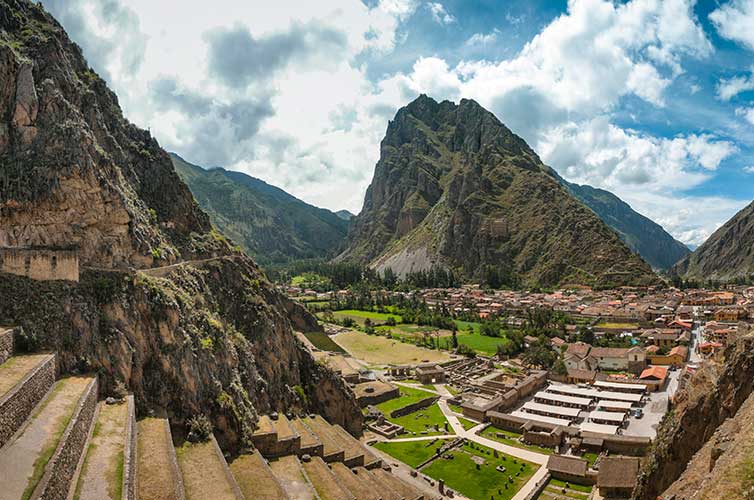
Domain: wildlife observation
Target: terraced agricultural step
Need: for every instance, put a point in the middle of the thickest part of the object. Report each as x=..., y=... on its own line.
x=324, y=481
x=158, y=476
x=353, y=451
x=332, y=451
x=408, y=491
x=387, y=492
x=309, y=444
x=205, y=472
x=255, y=478
x=24, y=382
x=40, y=461
x=360, y=488
x=291, y=476
x=107, y=470
x=370, y=461
x=6, y=344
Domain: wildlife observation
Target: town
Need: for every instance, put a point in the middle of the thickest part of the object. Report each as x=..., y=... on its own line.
x=458, y=411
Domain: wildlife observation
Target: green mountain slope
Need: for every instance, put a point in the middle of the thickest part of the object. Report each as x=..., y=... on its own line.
x=270, y=224
x=641, y=234
x=726, y=255
x=455, y=188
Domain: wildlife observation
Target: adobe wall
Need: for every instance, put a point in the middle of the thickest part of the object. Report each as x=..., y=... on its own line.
x=17, y=405
x=40, y=264
x=6, y=344
x=62, y=466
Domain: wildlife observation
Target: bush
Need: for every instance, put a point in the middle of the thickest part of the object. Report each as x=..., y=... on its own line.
x=120, y=391
x=200, y=429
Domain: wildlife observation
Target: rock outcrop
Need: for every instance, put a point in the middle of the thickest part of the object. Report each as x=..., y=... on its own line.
x=701, y=428
x=165, y=304
x=455, y=188
x=726, y=255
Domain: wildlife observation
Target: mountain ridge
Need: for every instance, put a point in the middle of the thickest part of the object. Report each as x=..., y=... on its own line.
x=272, y=225
x=456, y=188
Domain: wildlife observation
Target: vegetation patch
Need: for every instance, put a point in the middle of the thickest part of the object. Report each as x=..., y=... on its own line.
x=323, y=342
x=427, y=421
x=475, y=472
x=512, y=439
x=411, y=453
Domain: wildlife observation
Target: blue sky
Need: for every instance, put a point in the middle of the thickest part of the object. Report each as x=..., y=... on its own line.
x=651, y=99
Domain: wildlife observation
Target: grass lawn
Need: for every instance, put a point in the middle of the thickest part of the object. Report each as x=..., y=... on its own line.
x=511, y=439
x=408, y=395
x=361, y=316
x=575, y=491
x=379, y=350
x=323, y=342
x=424, y=420
x=411, y=453
x=461, y=473
x=466, y=423
x=455, y=408
x=591, y=457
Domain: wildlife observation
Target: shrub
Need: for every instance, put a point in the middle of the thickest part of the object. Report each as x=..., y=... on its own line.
x=200, y=429
x=120, y=391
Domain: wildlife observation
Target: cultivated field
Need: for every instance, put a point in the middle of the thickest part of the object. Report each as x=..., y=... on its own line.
x=378, y=350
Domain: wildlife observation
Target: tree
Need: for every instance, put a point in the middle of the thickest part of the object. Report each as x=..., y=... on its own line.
x=454, y=340
x=560, y=367
x=539, y=354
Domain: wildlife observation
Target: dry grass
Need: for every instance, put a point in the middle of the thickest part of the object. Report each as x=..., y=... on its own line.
x=255, y=479
x=13, y=370
x=378, y=350
x=155, y=481
x=203, y=472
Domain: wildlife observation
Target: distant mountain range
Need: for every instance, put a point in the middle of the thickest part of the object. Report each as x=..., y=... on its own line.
x=273, y=226
x=727, y=254
x=455, y=188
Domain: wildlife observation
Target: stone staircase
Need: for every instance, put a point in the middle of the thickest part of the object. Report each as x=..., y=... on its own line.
x=58, y=442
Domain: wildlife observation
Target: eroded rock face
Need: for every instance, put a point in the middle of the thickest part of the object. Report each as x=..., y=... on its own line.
x=698, y=422
x=210, y=337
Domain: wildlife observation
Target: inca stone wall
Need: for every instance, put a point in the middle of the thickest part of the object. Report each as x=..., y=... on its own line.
x=62, y=466
x=17, y=405
x=6, y=344
x=40, y=264
x=129, y=453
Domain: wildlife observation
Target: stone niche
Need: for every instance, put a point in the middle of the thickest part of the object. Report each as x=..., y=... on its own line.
x=42, y=264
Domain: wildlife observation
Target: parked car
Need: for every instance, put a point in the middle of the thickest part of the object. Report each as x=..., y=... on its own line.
x=638, y=413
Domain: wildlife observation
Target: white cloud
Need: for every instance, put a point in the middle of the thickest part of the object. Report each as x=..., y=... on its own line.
x=439, y=14
x=731, y=87
x=483, y=39
x=746, y=113
x=734, y=21
x=749, y=169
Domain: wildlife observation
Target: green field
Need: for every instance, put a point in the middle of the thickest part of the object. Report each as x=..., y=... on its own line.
x=425, y=420
x=611, y=325
x=408, y=396
x=511, y=439
x=466, y=423
x=323, y=342
x=575, y=491
x=411, y=453
x=487, y=482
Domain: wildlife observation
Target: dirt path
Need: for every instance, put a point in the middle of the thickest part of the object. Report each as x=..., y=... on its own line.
x=13, y=370
x=155, y=463
x=22, y=461
x=101, y=477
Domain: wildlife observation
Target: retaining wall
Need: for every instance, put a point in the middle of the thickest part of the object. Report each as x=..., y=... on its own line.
x=18, y=403
x=270, y=446
x=6, y=344
x=419, y=405
x=129, y=453
x=61, y=468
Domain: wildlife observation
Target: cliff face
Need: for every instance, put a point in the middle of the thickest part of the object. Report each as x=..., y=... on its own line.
x=727, y=254
x=455, y=188
x=705, y=434
x=211, y=336
x=270, y=224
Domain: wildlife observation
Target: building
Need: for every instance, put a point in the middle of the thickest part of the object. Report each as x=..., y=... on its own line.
x=617, y=476
x=731, y=314
x=654, y=373
x=41, y=263
x=430, y=374
x=676, y=357
x=619, y=358
x=569, y=469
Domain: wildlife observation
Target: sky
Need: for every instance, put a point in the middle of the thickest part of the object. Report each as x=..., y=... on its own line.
x=650, y=99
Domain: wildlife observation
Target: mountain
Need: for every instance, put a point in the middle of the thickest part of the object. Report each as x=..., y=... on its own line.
x=345, y=214
x=726, y=255
x=641, y=234
x=270, y=224
x=455, y=188
x=164, y=304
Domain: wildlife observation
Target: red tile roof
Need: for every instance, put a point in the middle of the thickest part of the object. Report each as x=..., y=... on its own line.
x=657, y=372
